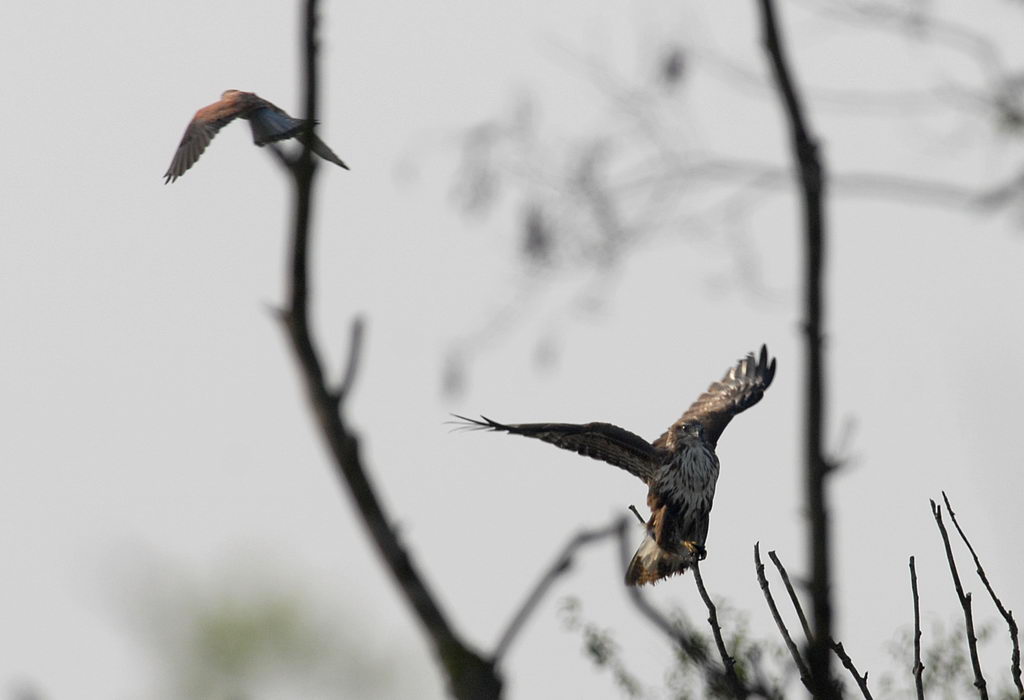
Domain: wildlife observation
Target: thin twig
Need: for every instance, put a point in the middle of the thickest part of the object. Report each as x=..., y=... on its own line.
x=682, y=638
x=468, y=674
x=729, y=663
x=862, y=681
x=792, y=594
x=1007, y=614
x=812, y=173
x=355, y=347
x=837, y=647
x=793, y=651
x=688, y=643
x=918, y=666
x=965, y=603
x=561, y=564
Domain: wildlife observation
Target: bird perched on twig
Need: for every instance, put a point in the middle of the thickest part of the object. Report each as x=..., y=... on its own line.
x=680, y=467
x=269, y=124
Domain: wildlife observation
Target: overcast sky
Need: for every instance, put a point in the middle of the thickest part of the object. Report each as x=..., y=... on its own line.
x=153, y=421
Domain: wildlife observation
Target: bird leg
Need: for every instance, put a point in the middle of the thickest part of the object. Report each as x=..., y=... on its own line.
x=697, y=550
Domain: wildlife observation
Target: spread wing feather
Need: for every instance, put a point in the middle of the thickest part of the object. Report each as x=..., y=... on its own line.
x=204, y=126
x=197, y=137
x=741, y=387
x=604, y=441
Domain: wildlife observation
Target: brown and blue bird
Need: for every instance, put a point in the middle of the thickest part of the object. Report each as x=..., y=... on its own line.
x=269, y=124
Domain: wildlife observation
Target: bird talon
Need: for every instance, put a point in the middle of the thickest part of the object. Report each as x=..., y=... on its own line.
x=697, y=550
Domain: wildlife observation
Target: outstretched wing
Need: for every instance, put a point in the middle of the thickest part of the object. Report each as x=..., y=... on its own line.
x=603, y=441
x=741, y=387
x=203, y=127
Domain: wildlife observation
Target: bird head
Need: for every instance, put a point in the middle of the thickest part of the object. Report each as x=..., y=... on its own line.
x=690, y=431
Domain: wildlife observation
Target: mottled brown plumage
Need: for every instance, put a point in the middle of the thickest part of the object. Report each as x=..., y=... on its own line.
x=680, y=467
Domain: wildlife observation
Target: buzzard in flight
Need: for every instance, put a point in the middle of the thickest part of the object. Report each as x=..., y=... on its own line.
x=269, y=124
x=680, y=467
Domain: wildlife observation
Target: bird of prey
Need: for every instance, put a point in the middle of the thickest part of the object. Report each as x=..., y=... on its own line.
x=269, y=124
x=680, y=467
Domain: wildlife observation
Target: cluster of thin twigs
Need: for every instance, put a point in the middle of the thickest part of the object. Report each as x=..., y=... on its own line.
x=918, y=668
x=966, y=605
x=723, y=677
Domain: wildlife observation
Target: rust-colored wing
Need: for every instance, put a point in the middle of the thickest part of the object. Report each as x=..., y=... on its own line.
x=603, y=441
x=205, y=125
x=741, y=387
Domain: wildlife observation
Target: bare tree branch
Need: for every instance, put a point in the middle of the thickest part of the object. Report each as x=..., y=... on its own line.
x=792, y=594
x=965, y=603
x=793, y=651
x=837, y=647
x=1007, y=614
x=686, y=642
x=812, y=187
x=862, y=681
x=918, y=666
x=469, y=675
x=729, y=663
x=355, y=348
x=563, y=562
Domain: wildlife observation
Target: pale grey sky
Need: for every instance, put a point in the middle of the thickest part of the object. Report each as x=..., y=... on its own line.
x=152, y=412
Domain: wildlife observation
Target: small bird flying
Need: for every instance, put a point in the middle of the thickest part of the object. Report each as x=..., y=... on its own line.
x=269, y=124
x=680, y=468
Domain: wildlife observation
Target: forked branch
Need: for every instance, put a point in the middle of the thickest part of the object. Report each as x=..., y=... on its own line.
x=1007, y=614
x=965, y=603
x=728, y=663
x=562, y=564
x=837, y=647
x=469, y=675
x=805, y=676
x=812, y=181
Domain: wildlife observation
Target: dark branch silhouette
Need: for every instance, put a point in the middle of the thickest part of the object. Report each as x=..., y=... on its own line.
x=729, y=663
x=965, y=603
x=812, y=188
x=792, y=594
x=469, y=675
x=861, y=681
x=1007, y=614
x=805, y=677
x=561, y=565
x=918, y=668
x=837, y=647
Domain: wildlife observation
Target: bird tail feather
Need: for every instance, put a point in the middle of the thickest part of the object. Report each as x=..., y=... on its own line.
x=651, y=563
x=320, y=148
